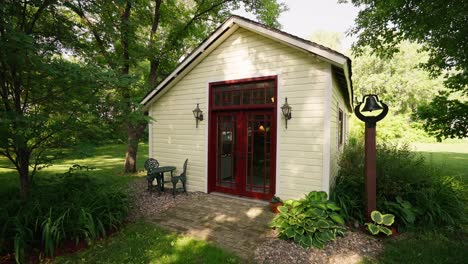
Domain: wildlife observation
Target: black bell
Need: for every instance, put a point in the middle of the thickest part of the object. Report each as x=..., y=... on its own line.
x=371, y=104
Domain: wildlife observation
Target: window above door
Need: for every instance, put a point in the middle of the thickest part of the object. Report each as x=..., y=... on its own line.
x=255, y=92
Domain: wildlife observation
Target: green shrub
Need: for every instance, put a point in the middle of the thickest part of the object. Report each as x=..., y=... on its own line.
x=407, y=187
x=71, y=207
x=312, y=221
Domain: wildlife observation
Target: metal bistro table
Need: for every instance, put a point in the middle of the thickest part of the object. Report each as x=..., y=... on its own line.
x=159, y=172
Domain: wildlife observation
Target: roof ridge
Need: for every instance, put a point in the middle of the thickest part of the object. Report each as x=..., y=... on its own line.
x=288, y=34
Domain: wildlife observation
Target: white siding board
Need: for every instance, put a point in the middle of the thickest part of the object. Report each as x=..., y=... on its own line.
x=245, y=54
x=337, y=102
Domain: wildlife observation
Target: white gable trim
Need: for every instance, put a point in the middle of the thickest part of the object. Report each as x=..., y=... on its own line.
x=326, y=133
x=224, y=31
x=327, y=55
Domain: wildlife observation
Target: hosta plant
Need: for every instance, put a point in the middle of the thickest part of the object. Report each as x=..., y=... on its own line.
x=381, y=221
x=312, y=221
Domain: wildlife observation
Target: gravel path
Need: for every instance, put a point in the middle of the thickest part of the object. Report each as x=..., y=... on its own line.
x=147, y=205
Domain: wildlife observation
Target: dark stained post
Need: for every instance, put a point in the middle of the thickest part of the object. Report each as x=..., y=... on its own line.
x=371, y=170
x=372, y=104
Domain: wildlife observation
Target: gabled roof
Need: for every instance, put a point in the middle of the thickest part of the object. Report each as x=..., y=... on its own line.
x=341, y=64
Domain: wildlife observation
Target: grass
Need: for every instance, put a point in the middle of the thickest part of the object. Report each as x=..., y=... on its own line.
x=146, y=243
x=434, y=246
x=425, y=247
x=136, y=243
x=107, y=160
x=450, y=158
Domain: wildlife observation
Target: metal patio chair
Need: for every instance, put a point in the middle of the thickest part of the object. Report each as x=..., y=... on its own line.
x=182, y=177
x=150, y=166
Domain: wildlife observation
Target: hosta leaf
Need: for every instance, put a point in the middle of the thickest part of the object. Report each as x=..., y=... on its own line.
x=322, y=206
x=283, y=209
x=388, y=219
x=310, y=229
x=297, y=238
x=322, y=195
x=288, y=202
x=340, y=232
x=322, y=224
x=324, y=236
x=332, y=206
x=385, y=230
x=317, y=212
x=305, y=241
x=377, y=217
x=296, y=204
x=316, y=243
x=313, y=197
x=290, y=232
x=337, y=218
x=373, y=229
x=308, y=241
x=299, y=231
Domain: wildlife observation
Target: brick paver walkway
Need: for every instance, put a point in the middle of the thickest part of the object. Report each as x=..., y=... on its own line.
x=236, y=225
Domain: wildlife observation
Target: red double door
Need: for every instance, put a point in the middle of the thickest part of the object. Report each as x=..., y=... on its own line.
x=242, y=157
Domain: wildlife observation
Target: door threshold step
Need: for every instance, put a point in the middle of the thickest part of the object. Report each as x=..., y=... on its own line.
x=262, y=202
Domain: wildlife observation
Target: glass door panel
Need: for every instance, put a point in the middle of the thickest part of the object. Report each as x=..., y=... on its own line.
x=226, y=150
x=244, y=153
x=259, y=148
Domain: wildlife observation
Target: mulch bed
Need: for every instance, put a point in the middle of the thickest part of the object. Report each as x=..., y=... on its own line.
x=352, y=248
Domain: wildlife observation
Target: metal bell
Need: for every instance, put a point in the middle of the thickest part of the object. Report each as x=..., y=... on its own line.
x=371, y=104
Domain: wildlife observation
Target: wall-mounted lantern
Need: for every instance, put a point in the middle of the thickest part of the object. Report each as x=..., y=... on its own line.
x=198, y=114
x=372, y=104
x=286, y=111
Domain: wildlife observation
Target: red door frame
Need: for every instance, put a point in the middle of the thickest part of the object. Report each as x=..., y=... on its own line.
x=212, y=134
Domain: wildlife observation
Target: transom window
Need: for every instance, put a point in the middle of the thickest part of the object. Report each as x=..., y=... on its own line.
x=259, y=92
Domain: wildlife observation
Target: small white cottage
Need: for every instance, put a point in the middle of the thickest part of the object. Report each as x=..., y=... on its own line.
x=272, y=119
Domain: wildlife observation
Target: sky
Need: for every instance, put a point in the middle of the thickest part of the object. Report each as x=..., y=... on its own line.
x=307, y=16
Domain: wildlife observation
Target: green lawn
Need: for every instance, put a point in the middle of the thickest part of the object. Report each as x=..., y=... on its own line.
x=146, y=243
x=107, y=160
x=451, y=158
x=434, y=246
x=425, y=247
x=135, y=243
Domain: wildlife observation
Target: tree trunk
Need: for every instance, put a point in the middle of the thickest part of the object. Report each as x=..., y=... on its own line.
x=23, y=170
x=134, y=135
x=131, y=156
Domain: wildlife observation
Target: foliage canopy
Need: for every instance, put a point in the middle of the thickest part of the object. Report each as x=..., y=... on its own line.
x=441, y=27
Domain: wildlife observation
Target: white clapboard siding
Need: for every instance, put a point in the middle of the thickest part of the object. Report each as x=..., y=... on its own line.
x=335, y=150
x=244, y=54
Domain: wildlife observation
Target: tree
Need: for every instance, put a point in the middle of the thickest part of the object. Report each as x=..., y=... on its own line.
x=401, y=84
x=42, y=93
x=441, y=27
x=142, y=41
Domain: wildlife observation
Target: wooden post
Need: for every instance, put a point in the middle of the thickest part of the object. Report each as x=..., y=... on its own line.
x=371, y=169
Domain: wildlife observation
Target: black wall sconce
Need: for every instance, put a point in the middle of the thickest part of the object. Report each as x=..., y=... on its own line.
x=198, y=114
x=286, y=111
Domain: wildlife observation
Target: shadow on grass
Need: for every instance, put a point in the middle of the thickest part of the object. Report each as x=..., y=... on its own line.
x=428, y=247
x=107, y=160
x=146, y=243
